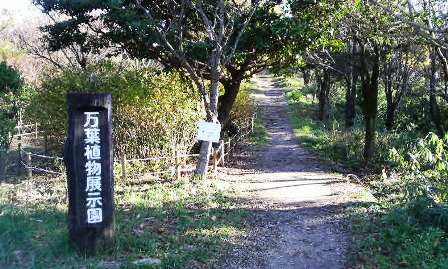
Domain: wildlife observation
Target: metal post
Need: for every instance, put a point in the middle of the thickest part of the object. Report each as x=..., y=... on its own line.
x=35, y=129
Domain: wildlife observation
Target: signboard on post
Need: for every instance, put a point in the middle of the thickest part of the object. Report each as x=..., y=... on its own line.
x=209, y=131
x=88, y=157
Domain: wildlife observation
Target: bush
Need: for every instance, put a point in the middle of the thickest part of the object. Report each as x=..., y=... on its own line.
x=243, y=109
x=410, y=230
x=152, y=111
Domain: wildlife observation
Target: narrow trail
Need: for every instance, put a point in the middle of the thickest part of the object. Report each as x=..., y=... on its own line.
x=298, y=206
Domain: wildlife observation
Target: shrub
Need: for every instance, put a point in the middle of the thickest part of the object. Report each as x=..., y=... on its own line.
x=243, y=109
x=152, y=111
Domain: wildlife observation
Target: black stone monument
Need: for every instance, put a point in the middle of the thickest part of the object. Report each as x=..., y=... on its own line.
x=88, y=158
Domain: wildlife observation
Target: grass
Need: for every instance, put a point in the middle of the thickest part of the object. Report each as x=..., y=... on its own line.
x=393, y=237
x=259, y=136
x=182, y=224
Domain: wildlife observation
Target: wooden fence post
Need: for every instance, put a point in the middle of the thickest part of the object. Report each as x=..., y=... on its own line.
x=36, y=130
x=123, y=167
x=177, y=163
x=215, y=161
x=19, y=158
x=222, y=146
x=29, y=171
x=46, y=143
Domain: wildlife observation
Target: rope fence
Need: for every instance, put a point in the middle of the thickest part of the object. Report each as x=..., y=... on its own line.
x=175, y=165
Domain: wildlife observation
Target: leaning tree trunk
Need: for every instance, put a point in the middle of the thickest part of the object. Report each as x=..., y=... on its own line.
x=227, y=100
x=324, y=100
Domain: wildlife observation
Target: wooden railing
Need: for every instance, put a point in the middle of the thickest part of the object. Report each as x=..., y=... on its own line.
x=177, y=166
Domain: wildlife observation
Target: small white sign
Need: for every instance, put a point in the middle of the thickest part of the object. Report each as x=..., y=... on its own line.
x=209, y=131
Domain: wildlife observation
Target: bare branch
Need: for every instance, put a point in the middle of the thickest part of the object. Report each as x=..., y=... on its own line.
x=179, y=56
x=240, y=33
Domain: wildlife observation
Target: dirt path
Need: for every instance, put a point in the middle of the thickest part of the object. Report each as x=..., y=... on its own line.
x=298, y=206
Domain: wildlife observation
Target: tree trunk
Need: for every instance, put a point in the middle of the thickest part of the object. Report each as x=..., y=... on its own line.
x=204, y=153
x=370, y=102
x=204, y=156
x=390, y=107
x=305, y=75
x=390, y=116
x=227, y=100
x=350, y=100
x=433, y=105
x=2, y=165
x=324, y=100
x=370, y=107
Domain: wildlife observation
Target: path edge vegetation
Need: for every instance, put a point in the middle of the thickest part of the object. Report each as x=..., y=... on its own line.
x=401, y=220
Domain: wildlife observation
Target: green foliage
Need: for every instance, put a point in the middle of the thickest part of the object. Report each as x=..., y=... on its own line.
x=10, y=90
x=259, y=136
x=424, y=169
x=152, y=111
x=243, y=109
x=185, y=225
